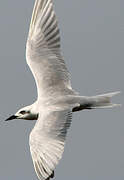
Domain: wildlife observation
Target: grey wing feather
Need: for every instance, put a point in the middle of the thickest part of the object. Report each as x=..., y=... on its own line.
x=47, y=141
x=43, y=51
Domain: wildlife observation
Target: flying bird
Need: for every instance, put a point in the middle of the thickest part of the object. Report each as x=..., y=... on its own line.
x=56, y=100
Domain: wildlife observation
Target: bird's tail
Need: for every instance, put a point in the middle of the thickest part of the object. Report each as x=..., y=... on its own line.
x=99, y=101
x=104, y=100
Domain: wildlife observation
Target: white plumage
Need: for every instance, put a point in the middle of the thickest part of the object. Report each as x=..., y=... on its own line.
x=52, y=79
x=56, y=99
x=43, y=51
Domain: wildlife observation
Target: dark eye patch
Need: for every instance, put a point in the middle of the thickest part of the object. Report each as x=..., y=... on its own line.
x=22, y=112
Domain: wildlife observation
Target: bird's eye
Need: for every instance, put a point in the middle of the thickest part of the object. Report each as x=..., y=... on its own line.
x=22, y=112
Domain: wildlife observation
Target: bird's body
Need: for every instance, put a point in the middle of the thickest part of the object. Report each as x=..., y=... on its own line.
x=56, y=99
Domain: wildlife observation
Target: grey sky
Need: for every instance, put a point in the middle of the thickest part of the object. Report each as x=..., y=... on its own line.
x=92, y=38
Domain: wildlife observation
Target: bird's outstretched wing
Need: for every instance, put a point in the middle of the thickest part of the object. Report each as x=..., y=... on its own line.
x=47, y=141
x=43, y=51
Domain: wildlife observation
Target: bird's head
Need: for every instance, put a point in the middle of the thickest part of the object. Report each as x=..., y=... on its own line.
x=26, y=113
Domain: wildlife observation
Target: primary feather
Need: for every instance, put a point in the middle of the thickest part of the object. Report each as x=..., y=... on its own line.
x=43, y=51
x=47, y=140
x=43, y=54
x=56, y=99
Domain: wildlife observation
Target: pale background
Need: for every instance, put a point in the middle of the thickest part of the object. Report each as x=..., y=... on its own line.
x=92, y=33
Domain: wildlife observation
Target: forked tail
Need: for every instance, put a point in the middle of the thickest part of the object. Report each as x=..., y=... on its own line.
x=104, y=101
x=99, y=101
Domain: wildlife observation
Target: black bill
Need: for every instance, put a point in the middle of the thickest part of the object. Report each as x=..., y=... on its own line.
x=11, y=118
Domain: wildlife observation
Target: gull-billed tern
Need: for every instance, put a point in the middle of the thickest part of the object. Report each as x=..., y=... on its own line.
x=56, y=99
